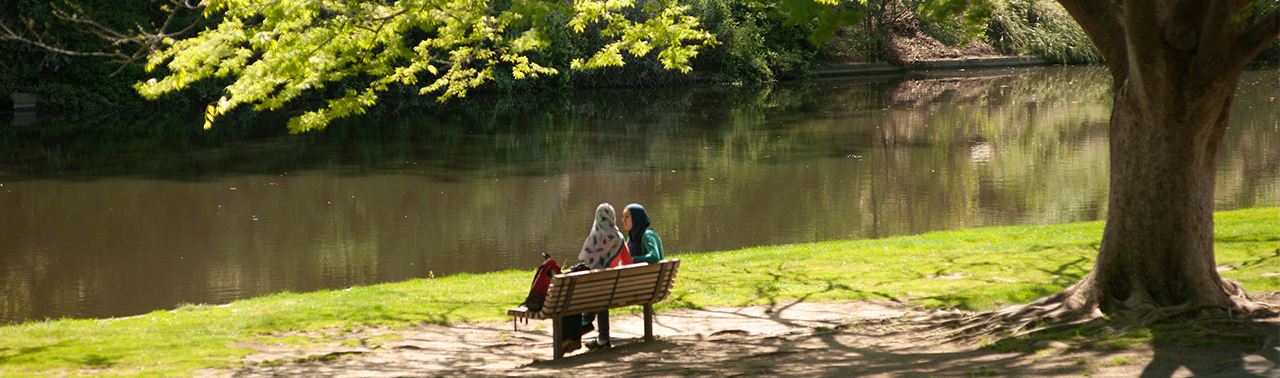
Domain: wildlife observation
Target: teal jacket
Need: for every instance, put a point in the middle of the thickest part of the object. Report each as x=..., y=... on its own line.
x=652, y=248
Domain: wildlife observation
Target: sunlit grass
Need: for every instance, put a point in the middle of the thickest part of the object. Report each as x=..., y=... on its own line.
x=1248, y=243
x=977, y=269
x=970, y=269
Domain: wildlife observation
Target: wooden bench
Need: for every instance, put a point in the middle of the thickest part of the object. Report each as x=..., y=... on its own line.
x=599, y=290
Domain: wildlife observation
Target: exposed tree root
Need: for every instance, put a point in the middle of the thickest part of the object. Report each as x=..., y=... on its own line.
x=1079, y=307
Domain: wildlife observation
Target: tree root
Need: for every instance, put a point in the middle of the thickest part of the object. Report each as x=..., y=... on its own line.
x=1078, y=307
x=1055, y=312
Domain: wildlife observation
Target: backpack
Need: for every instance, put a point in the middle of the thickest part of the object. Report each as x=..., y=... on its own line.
x=541, y=282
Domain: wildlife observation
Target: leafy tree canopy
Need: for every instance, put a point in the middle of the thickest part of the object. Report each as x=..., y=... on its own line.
x=278, y=49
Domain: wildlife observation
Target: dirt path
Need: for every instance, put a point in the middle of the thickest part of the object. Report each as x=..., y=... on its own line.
x=794, y=339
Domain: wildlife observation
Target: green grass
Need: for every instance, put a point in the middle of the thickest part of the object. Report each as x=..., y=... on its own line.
x=984, y=269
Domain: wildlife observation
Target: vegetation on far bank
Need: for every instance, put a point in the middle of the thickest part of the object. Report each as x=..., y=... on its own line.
x=757, y=43
x=973, y=269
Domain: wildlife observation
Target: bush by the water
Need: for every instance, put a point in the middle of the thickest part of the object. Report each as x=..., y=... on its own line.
x=1040, y=28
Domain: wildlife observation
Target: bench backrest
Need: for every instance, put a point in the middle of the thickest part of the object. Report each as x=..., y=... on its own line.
x=598, y=290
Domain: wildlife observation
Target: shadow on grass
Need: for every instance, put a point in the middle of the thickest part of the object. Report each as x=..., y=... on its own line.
x=93, y=360
x=1260, y=260
x=771, y=290
x=7, y=355
x=62, y=351
x=1023, y=293
x=1070, y=272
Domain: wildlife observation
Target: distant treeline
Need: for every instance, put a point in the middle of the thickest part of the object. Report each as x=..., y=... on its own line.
x=755, y=46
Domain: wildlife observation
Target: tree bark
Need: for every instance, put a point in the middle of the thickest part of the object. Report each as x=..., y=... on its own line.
x=1157, y=245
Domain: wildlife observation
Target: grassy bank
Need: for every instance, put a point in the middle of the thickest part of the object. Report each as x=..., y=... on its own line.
x=975, y=269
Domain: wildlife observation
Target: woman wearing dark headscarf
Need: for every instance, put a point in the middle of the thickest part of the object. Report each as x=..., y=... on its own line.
x=644, y=243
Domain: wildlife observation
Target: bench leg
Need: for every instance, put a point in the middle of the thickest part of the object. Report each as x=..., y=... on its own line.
x=557, y=333
x=648, y=322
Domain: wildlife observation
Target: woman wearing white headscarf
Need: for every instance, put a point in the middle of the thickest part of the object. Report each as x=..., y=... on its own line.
x=605, y=243
x=605, y=247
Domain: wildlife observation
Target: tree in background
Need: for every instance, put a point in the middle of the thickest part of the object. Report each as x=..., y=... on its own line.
x=82, y=55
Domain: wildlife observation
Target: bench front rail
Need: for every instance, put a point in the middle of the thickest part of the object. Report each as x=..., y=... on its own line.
x=600, y=290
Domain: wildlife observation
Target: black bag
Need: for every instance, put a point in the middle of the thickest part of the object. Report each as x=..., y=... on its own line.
x=578, y=268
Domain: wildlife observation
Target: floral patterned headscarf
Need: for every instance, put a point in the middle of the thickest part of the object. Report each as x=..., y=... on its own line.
x=604, y=242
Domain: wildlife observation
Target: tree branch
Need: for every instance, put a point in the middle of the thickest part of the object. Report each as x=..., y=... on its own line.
x=1226, y=42
x=37, y=41
x=1214, y=32
x=147, y=41
x=1253, y=41
x=1142, y=28
x=1103, y=22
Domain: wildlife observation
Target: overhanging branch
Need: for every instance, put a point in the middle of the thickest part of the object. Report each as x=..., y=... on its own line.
x=1253, y=41
x=147, y=42
x=1102, y=21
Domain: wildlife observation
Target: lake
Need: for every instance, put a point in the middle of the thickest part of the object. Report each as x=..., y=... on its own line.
x=96, y=224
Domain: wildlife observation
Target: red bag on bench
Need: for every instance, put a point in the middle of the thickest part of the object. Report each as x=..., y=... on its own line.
x=541, y=282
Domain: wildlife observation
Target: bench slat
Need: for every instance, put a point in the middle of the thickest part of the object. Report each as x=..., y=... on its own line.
x=577, y=309
x=591, y=293
x=610, y=297
x=648, y=277
x=608, y=285
x=585, y=277
x=559, y=283
x=618, y=299
x=583, y=292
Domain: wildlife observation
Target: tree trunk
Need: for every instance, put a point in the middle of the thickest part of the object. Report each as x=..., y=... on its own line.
x=1174, y=65
x=1157, y=245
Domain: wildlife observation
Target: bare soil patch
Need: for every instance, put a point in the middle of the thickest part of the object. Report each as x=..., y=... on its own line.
x=866, y=339
x=904, y=44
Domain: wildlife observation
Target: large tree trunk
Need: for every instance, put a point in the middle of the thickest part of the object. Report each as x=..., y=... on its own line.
x=1157, y=245
x=1175, y=64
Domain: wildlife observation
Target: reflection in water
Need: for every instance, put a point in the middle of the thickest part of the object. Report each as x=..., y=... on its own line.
x=105, y=225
